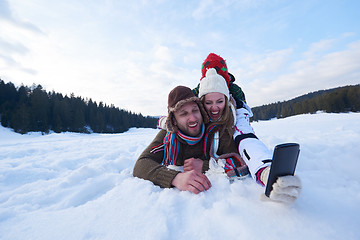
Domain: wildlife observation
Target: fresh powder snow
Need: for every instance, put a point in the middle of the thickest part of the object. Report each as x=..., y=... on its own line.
x=80, y=186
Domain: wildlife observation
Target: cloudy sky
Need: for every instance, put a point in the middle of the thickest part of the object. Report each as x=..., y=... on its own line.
x=132, y=53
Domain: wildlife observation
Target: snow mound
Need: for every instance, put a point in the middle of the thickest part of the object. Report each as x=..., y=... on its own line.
x=80, y=186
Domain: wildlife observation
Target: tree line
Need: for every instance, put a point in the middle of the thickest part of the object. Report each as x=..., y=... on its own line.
x=27, y=109
x=336, y=100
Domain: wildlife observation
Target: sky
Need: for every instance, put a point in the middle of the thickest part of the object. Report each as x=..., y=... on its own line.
x=132, y=53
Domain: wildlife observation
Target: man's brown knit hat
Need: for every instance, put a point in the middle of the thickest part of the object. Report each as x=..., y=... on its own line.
x=176, y=99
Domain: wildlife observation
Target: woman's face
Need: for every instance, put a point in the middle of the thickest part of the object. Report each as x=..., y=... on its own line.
x=214, y=104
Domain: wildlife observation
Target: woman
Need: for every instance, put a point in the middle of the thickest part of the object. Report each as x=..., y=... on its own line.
x=215, y=97
x=214, y=94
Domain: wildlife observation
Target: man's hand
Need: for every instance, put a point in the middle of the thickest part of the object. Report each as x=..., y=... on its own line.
x=193, y=164
x=192, y=181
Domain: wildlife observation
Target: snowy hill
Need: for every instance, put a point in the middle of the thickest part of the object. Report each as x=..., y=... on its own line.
x=79, y=186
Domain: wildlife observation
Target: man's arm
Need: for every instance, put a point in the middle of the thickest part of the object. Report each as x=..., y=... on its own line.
x=148, y=166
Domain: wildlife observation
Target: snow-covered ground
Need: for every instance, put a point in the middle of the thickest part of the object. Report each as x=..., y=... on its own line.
x=79, y=186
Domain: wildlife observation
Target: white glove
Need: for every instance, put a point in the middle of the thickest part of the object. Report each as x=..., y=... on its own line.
x=286, y=189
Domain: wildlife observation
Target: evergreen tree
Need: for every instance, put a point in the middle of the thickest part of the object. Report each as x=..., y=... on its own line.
x=8, y=99
x=33, y=109
x=39, y=104
x=20, y=119
x=342, y=99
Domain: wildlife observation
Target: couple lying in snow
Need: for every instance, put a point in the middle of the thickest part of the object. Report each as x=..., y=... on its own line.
x=209, y=131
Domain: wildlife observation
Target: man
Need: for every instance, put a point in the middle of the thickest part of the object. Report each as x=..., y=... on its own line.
x=181, y=145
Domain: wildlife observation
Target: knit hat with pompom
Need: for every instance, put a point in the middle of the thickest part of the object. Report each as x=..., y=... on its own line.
x=217, y=62
x=213, y=82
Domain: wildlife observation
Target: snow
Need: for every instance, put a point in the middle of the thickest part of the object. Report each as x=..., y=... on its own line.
x=80, y=186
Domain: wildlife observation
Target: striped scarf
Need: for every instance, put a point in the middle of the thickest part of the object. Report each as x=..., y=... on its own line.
x=211, y=143
x=172, y=145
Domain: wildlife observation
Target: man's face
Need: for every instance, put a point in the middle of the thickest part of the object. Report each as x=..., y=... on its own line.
x=189, y=119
